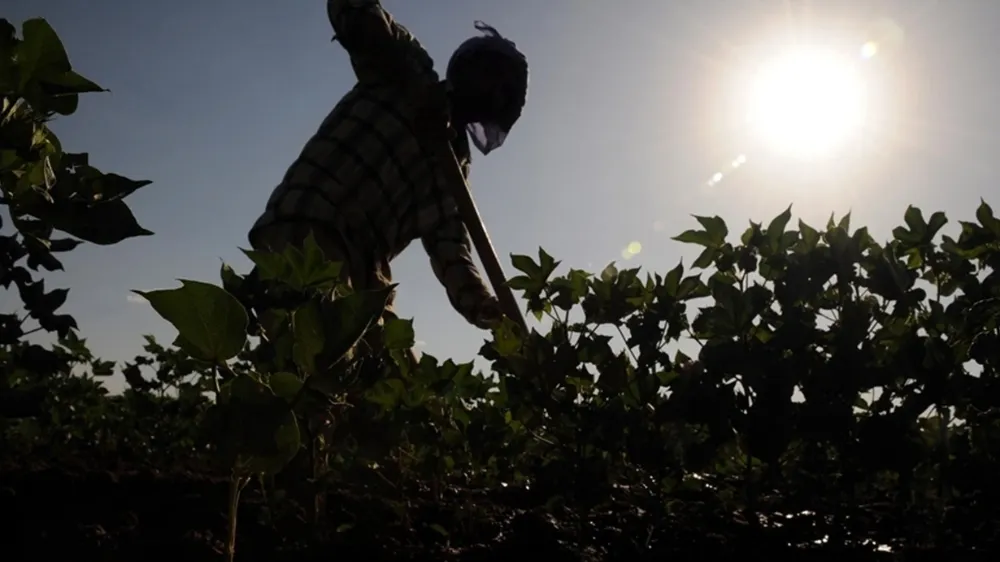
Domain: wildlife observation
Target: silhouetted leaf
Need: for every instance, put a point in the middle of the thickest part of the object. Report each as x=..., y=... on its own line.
x=398, y=334
x=104, y=223
x=699, y=237
x=527, y=266
x=715, y=227
x=205, y=315
x=984, y=214
x=776, y=229
x=309, y=334
x=347, y=319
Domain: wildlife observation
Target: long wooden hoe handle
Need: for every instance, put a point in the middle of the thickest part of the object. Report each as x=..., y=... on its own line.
x=481, y=240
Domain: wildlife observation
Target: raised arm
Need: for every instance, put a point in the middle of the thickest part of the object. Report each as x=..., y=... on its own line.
x=451, y=259
x=381, y=50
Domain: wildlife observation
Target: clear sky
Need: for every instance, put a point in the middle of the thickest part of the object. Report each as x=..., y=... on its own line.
x=633, y=106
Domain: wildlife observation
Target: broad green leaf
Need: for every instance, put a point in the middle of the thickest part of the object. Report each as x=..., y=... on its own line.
x=699, y=237
x=69, y=84
x=752, y=236
x=845, y=222
x=113, y=187
x=275, y=322
x=907, y=237
x=398, y=334
x=506, y=340
x=524, y=283
x=347, y=319
x=185, y=345
x=308, y=333
x=809, y=236
x=231, y=281
x=63, y=244
x=609, y=273
x=579, y=280
x=527, y=266
x=385, y=393
x=41, y=52
x=757, y=298
x=60, y=91
x=312, y=268
x=270, y=265
x=247, y=389
x=724, y=277
x=728, y=298
x=45, y=303
x=863, y=240
x=298, y=268
x=205, y=315
x=570, y=289
x=547, y=263
x=10, y=160
x=776, y=229
x=254, y=429
x=725, y=258
x=914, y=219
x=935, y=224
x=103, y=223
x=984, y=214
x=692, y=287
x=706, y=258
x=285, y=385
x=746, y=259
x=287, y=440
x=402, y=360
x=672, y=281
x=715, y=227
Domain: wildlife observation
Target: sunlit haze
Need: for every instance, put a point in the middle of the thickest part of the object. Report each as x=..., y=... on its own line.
x=807, y=102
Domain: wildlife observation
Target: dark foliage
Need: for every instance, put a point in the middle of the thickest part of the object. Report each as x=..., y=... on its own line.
x=844, y=399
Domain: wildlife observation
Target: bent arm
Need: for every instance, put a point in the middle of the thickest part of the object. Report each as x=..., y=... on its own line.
x=451, y=259
x=381, y=50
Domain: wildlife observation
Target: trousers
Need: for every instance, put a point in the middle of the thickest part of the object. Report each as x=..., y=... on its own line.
x=361, y=270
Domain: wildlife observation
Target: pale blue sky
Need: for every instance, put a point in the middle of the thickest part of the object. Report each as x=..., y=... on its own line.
x=633, y=106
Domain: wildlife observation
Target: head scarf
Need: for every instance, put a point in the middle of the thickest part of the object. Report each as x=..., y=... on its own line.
x=489, y=136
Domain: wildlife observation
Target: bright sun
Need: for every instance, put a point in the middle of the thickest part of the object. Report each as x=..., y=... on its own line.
x=808, y=103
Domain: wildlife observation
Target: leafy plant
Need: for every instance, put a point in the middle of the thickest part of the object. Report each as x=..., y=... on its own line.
x=46, y=190
x=808, y=384
x=820, y=357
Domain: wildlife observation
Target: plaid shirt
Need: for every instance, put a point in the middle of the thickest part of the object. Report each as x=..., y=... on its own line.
x=372, y=171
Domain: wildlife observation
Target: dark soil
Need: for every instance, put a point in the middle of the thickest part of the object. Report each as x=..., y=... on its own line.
x=74, y=514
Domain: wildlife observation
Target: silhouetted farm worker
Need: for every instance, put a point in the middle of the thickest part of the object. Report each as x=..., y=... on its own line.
x=373, y=177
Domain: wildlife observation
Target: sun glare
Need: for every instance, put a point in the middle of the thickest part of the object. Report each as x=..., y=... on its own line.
x=808, y=103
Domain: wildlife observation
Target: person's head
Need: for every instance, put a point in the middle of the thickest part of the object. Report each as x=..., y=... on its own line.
x=488, y=80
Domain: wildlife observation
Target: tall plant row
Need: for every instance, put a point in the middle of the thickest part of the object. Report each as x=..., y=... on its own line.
x=835, y=376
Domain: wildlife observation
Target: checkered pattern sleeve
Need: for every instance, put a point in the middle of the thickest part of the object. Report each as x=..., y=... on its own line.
x=382, y=50
x=451, y=259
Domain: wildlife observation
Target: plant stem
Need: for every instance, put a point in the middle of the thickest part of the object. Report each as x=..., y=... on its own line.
x=215, y=381
x=226, y=370
x=751, y=492
x=236, y=484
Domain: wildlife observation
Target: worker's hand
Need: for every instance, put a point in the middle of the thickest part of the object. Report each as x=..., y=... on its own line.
x=489, y=314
